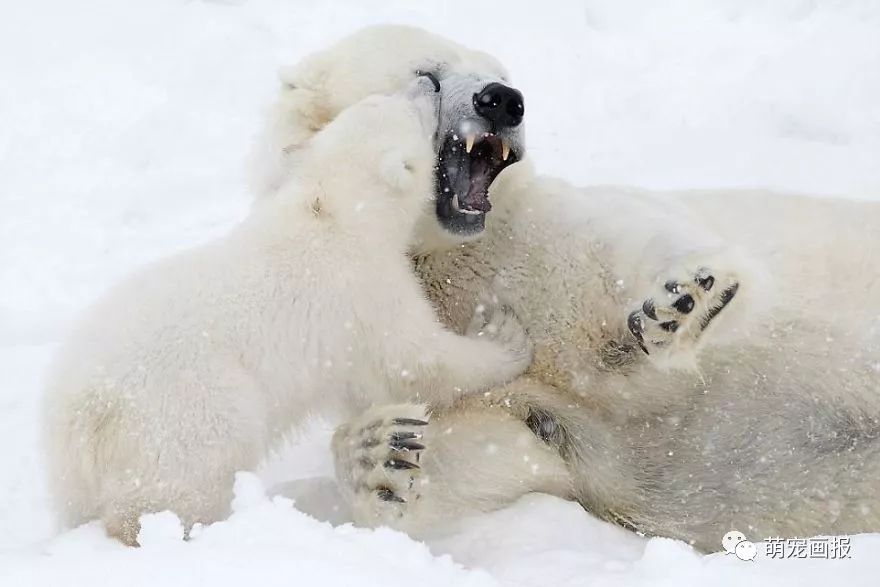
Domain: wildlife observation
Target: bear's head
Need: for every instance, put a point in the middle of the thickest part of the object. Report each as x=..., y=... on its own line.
x=479, y=132
x=371, y=169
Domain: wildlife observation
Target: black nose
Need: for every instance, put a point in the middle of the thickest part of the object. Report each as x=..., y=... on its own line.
x=500, y=104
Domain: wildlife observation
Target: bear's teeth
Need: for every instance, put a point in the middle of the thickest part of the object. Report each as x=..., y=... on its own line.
x=505, y=150
x=469, y=142
x=457, y=207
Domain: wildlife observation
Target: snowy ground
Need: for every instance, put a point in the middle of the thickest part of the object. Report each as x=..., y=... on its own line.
x=123, y=130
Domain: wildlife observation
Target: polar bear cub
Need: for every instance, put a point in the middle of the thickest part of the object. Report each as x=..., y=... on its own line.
x=188, y=371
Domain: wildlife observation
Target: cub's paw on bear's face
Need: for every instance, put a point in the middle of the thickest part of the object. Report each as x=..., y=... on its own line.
x=424, y=91
x=676, y=318
x=409, y=162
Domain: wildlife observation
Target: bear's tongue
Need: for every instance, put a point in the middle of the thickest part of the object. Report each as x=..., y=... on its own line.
x=477, y=197
x=469, y=177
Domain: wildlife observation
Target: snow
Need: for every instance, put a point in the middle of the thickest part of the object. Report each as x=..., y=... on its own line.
x=125, y=128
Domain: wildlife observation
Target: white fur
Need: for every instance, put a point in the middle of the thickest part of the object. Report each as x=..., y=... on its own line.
x=189, y=370
x=768, y=419
x=377, y=60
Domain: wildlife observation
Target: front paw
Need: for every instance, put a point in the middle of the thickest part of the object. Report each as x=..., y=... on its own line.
x=497, y=322
x=379, y=455
x=676, y=318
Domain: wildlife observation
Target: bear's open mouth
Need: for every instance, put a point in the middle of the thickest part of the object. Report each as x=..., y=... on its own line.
x=466, y=167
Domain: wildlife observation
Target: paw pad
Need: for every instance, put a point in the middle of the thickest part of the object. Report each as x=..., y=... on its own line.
x=670, y=326
x=684, y=304
x=696, y=302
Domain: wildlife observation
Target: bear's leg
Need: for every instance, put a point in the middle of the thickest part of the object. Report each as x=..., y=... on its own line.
x=122, y=523
x=403, y=470
x=203, y=502
x=184, y=461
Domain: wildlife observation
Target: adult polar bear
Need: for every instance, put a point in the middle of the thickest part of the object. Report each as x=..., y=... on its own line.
x=774, y=430
x=191, y=369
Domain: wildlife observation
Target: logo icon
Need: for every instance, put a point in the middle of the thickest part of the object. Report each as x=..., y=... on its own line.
x=735, y=543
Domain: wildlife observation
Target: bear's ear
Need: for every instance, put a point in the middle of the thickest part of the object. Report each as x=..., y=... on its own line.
x=287, y=75
x=294, y=119
x=304, y=98
x=299, y=112
x=397, y=169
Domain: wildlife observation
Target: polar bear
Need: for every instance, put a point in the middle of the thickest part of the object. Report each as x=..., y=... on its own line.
x=703, y=360
x=191, y=369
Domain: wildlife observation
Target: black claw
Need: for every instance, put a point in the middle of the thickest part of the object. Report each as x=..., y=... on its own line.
x=400, y=465
x=706, y=282
x=408, y=422
x=670, y=326
x=406, y=445
x=388, y=495
x=634, y=322
x=726, y=296
x=684, y=304
x=649, y=310
x=671, y=286
x=404, y=435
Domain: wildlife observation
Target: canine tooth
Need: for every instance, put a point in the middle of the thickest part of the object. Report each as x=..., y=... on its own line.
x=505, y=150
x=456, y=205
x=469, y=144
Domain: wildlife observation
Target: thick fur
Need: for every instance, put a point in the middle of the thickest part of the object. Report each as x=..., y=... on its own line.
x=765, y=418
x=191, y=369
x=377, y=60
x=777, y=427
